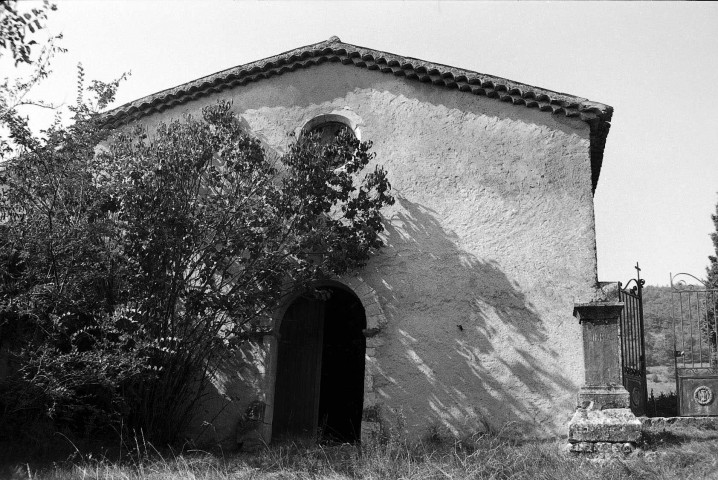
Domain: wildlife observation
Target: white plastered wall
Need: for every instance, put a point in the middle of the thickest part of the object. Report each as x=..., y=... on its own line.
x=490, y=243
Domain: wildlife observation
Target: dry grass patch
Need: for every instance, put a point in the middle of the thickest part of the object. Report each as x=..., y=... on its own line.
x=667, y=456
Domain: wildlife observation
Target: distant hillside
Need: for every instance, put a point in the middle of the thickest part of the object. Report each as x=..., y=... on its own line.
x=658, y=325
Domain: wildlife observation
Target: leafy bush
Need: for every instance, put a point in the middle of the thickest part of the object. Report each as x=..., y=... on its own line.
x=131, y=264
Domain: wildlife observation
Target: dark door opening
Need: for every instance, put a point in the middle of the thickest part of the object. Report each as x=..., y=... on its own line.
x=319, y=389
x=341, y=397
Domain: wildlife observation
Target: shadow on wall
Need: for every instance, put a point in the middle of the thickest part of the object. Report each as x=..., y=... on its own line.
x=464, y=350
x=475, y=352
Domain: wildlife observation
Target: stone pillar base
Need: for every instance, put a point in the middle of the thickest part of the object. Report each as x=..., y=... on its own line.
x=604, y=396
x=613, y=431
x=603, y=449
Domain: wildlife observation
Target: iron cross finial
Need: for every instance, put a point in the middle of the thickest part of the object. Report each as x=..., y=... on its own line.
x=638, y=275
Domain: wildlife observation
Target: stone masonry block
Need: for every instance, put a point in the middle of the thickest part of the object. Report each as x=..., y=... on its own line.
x=374, y=342
x=369, y=299
x=617, y=425
x=368, y=383
x=376, y=322
x=583, y=447
x=369, y=431
x=381, y=380
x=362, y=289
x=370, y=400
x=605, y=396
x=373, y=310
x=269, y=414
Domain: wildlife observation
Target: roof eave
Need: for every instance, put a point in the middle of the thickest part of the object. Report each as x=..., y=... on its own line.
x=597, y=115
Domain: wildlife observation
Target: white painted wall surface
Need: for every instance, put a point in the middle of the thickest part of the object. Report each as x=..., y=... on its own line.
x=490, y=243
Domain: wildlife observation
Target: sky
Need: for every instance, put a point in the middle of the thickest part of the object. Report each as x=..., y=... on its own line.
x=655, y=63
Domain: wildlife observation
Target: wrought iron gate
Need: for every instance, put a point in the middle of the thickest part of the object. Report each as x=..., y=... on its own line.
x=633, y=348
x=693, y=311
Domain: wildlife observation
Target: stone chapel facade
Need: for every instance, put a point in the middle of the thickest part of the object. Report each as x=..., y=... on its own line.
x=465, y=319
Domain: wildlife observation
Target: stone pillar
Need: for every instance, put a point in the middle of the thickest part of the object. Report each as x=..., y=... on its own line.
x=601, y=356
x=603, y=424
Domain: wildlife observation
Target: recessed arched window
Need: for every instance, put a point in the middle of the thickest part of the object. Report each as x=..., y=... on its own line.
x=330, y=130
x=329, y=126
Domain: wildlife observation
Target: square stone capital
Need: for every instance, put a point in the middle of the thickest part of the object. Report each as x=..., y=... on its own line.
x=604, y=396
x=603, y=312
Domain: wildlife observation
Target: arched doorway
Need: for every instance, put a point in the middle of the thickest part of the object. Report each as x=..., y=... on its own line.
x=319, y=386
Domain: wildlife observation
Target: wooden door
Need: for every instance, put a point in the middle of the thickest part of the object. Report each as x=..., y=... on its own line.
x=299, y=366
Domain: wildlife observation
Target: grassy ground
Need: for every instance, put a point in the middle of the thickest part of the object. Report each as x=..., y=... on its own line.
x=666, y=456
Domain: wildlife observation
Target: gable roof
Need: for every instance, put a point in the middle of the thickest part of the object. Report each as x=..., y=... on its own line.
x=597, y=115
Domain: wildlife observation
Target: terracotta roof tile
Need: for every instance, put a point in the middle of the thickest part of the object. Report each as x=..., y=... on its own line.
x=597, y=115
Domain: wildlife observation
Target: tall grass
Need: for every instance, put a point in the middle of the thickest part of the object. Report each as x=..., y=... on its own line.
x=478, y=457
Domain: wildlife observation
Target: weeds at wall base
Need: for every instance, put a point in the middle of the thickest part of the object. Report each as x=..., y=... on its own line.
x=664, y=405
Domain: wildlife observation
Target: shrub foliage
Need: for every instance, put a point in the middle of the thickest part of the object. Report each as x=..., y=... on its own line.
x=712, y=270
x=132, y=263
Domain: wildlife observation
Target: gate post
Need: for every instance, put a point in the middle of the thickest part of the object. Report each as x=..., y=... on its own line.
x=602, y=355
x=603, y=422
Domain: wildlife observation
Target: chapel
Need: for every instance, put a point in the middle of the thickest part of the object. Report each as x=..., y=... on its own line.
x=464, y=320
